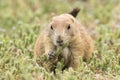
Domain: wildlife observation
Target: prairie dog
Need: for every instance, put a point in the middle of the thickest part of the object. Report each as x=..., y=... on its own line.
x=65, y=29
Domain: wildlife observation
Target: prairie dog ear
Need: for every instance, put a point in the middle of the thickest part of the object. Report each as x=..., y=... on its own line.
x=72, y=20
x=74, y=12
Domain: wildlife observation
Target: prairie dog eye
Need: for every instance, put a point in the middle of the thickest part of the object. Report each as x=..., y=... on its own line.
x=51, y=27
x=68, y=27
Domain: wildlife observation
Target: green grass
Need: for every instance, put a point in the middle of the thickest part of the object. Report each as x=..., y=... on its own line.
x=22, y=20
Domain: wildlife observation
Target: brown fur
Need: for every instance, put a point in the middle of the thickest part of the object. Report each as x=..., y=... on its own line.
x=80, y=43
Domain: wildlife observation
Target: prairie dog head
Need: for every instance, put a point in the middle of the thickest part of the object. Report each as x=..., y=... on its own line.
x=62, y=28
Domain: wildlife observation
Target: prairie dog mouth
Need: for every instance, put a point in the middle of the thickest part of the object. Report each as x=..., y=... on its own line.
x=60, y=44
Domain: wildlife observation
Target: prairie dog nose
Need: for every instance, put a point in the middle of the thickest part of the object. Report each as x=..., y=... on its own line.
x=59, y=40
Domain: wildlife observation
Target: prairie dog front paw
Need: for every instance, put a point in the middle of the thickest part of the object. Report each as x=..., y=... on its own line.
x=51, y=55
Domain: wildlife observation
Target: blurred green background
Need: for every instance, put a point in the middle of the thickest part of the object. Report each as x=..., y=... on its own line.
x=22, y=20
